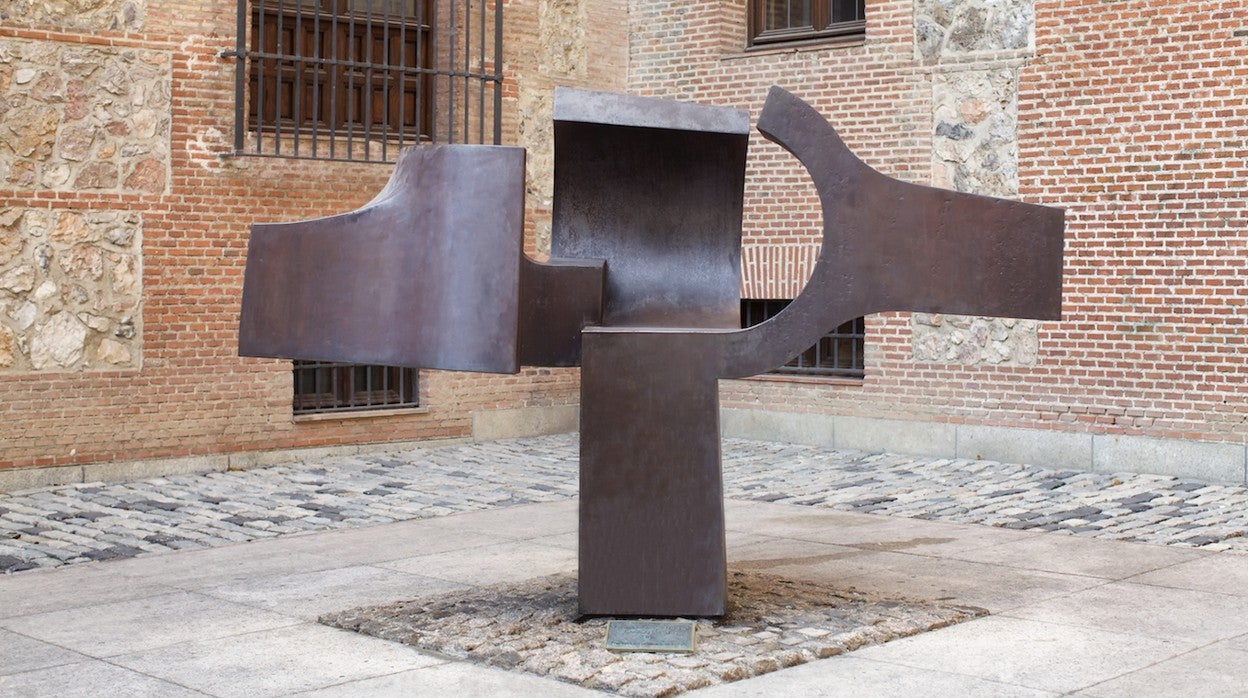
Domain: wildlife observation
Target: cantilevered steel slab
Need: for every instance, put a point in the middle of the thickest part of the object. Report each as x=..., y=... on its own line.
x=425, y=275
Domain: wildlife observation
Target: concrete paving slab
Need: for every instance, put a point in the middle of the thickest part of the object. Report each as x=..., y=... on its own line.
x=993, y=587
x=455, y=679
x=518, y=522
x=1087, y=556
x=1044, y=656
x=386, y=542
x=19, y=653
x=275, y=662
x=200, y=569
x=1215, y=671
x=504, y=562
x=90, y=679
x=767, y=553
x=866, y=531
x=309, y=594
x=567, y=541
x=120, y=627
x=851, y=677
x=1223, y=573
x=1195, y=617
x=1238, y=643
x=56, y=589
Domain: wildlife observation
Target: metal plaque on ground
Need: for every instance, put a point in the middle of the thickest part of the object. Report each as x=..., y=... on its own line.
x=651, y=635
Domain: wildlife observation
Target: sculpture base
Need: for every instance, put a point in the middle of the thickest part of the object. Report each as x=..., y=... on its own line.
x=652, y=506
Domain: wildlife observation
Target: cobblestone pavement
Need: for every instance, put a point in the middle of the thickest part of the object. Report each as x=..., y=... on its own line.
x=772, y=623
x=76, y=523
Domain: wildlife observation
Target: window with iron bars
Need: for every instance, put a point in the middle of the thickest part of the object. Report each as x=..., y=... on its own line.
x=358, y=80
x=786, y=21
x=837, y=354
x=334, y=387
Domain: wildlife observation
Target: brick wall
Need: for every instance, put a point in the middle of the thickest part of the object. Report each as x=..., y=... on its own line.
x=1129, y=114
x=181, y=389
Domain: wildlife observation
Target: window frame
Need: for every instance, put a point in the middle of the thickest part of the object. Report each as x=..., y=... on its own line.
x=821, y=30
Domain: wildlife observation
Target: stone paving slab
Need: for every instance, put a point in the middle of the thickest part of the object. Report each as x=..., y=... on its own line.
x=53, y=526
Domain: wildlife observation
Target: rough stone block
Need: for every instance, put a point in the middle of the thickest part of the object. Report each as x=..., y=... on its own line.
x=896, y=436
x=1211, y=462
x=1040, y=447
x=524, y=421
x=790, y=427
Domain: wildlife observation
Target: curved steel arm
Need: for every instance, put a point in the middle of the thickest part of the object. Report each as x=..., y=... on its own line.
x=891, y=245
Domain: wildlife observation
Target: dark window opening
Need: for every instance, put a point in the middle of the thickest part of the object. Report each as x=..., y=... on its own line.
x=781, y=21
x=334, y=387
x=359, y=80
x=839, y=353
x=339, y=66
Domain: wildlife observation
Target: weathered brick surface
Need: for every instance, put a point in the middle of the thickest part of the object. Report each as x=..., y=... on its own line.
x=1132, y=117
x=104, y=118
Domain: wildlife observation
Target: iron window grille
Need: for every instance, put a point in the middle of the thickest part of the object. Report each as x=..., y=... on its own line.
x=784, y=21
x=335, y=387
x=837, y=354
x=358, y=80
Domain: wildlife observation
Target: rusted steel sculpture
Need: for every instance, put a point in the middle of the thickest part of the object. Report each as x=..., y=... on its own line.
x=642, y=293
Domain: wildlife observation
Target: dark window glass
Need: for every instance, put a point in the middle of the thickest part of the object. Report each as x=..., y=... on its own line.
x=779, y=21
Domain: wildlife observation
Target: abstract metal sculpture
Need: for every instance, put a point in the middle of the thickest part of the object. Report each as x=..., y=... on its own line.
x=642, y=293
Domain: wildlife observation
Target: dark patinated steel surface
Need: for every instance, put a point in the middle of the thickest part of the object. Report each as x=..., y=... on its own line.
x=652, y=537
x=659, y=198
x=642, y=292
x=557, y=300
x=425, y=275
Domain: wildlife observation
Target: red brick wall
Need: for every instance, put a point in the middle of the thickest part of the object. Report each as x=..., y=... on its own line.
x=1132, y=115
x=192, y=394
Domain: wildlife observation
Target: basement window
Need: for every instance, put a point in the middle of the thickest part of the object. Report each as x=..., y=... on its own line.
x=335, y=387
x=838, y=354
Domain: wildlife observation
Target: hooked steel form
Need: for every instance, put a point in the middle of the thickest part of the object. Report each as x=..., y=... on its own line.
x=642, y=292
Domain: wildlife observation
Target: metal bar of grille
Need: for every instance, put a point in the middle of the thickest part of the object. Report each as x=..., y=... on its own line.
x=498, y=71
x=450, y=80
x=332, y=117
x=240, y=77
x=433, y=51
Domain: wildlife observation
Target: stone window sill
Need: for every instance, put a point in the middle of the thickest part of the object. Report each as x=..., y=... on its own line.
x=809, y=380
x=797, y=47
x=360, y=414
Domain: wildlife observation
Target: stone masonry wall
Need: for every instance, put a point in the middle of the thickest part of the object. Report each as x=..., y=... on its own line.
x=976, y=49
x=70, y=284
x=77, y=118
x=83, y=117
x=116, y=15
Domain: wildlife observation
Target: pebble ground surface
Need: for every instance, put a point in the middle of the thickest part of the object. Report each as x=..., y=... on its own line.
x=532, y=626
x=68, y=524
